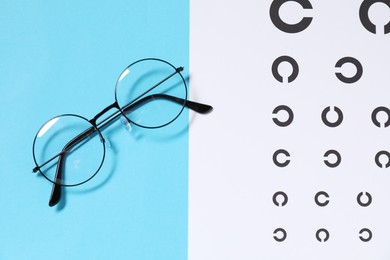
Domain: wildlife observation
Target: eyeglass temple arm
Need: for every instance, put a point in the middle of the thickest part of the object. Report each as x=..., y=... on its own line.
x=195, y=106
x=56, y=189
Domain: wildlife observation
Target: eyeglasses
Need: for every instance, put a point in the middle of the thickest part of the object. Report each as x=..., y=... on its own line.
x=69, y=150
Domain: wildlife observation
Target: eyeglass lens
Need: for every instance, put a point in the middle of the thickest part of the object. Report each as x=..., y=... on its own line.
x=148, y=81
x=81, y=161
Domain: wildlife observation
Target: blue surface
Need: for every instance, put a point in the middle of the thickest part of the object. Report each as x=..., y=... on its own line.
x=61, y=57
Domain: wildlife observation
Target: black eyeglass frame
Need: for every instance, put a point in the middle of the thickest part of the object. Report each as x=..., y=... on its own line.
x=120, y=111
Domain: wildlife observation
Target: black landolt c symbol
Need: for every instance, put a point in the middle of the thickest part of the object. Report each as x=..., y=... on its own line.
x=380, y=154
x=324, y=202
x=339, y=117
x=322, y=231
x=374, y=116
x=332, y=164
x=292, y=62
x=277, y=161
x=285, y=27
x=359, y=70
x=277, y=195
x=363, y=14
x=279, y=238
x=368, y=200
x=366, y=238
x=289, y=112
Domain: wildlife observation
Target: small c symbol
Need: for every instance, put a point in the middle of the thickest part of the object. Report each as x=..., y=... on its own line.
x=317, y=201
x=338, y=160
x=290, y=115
x=275, y=200
x=292, y=62
x=320, y=231
x=381, y=154
x=283, y=237
x=359, y=70
x=364, y=204
x=275, y=158
x=374, y=116
x=365, y=238
x=327, y=122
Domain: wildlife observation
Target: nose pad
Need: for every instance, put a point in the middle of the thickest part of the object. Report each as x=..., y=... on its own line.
x=126, y=123
x=106, y=141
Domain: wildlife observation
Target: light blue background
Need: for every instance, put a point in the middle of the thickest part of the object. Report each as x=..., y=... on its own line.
x=61, y=57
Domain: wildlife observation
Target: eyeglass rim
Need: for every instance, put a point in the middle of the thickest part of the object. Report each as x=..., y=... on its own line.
x=99, y=132
x=169, y=122
x=93, y=175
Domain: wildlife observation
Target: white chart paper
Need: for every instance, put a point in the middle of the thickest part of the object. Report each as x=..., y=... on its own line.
x=293, y=163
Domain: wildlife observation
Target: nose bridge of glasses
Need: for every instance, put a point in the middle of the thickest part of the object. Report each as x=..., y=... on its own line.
x=104, y=111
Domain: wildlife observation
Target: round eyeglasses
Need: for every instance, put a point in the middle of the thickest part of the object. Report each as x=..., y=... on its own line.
x=69, y=150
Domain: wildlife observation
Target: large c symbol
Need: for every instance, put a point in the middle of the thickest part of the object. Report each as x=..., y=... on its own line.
x=285, y=27
x=363, y=13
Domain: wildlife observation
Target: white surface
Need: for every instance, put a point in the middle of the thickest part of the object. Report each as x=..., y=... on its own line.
x=232, y=176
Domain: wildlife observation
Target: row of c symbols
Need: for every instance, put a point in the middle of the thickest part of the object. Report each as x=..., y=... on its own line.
x=378, y=161
x=321, y=198
x=322, y=235
x=295, y=69
x=324, y=116
x=306, y=21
